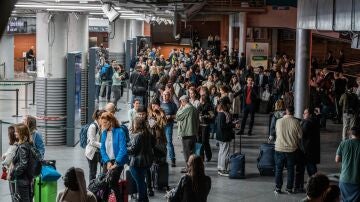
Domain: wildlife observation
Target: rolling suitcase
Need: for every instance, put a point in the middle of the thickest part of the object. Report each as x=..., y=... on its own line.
x=266, y=161
x=131, y=184
x=237, y=162
x=160, y=175
x=45, y=191
x=263, y=107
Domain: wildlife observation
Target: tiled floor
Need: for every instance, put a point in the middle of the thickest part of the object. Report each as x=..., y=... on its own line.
x=253, y=188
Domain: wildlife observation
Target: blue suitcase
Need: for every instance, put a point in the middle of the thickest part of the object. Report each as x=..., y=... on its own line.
x=237, y=162
x=266, y=161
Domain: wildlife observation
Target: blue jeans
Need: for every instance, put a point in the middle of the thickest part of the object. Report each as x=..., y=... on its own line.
x=349, y=192
x=300, y=172
x=97, y=92
x=139, y=177
x=280, y=159
x=169, y=145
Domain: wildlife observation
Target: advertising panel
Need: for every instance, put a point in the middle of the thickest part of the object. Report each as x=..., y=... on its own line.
x=257, y=54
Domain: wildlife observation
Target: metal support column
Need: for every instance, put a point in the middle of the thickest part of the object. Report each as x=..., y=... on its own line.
x=1, y=137
x=302, y=71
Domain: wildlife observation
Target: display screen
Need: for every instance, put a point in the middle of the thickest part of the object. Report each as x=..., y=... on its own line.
x=77, y=91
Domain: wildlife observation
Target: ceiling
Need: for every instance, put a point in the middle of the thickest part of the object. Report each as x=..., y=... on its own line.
x=186, y=9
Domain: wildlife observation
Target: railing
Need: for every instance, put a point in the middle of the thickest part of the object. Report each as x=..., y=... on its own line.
x=17, y=99
x=2, y=71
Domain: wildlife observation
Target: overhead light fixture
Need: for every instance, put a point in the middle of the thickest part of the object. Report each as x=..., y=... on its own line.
x=35, y=6
x=110, y=12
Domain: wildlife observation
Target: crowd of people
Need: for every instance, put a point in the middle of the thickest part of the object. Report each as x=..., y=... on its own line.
x=206, y=94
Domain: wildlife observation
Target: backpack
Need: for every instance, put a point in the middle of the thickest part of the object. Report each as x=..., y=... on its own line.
x=35, y=162
x=83, y=134
x=126, y=132
x=352, y=103
x=108, y=74
x=99, y=186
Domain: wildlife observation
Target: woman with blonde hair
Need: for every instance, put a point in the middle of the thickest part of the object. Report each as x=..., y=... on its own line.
x=156, y=124
x=36, y=136
x=113, y=150
x=278, y=113
x=21, y=174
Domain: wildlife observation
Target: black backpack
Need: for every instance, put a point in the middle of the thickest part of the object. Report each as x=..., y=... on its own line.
x=99, y=186
x=35, y=161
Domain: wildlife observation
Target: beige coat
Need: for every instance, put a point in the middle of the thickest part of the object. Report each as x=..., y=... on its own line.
x=288, y=134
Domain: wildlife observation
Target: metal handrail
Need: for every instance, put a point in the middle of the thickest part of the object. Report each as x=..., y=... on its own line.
x=3, y=65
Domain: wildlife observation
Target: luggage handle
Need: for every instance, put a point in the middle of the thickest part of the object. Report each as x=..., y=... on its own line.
x=234, y=144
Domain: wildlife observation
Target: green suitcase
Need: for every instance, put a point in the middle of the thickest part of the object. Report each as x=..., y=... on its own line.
x=45, y=191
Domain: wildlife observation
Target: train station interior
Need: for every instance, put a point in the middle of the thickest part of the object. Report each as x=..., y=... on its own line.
x=55, y=56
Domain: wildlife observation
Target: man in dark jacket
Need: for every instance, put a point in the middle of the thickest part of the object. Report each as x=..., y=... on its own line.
x=349, y=103
x=139, y=85
x=309, y=153
x=339, y=89
x=242, y=64
x=250, y=97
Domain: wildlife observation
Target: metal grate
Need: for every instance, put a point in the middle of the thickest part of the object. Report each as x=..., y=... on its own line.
x=51, y=102
x=84, y=96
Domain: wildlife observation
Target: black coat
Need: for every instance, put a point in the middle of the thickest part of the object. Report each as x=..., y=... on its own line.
x=264, y=82
x=22, y=163
x=310, y=141
x=223, y=129
x=141, y=150
x=184, y=192
x=254, y=94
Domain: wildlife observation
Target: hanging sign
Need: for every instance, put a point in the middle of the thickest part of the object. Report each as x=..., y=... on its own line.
x=257, y=54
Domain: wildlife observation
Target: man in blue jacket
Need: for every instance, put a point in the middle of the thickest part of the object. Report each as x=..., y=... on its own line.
x=106, y=74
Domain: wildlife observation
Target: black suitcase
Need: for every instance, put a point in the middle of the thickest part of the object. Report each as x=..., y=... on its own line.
x=263, y=107
x=160, y=175
x=266, y=161
x=131, y=184
x=237, y=162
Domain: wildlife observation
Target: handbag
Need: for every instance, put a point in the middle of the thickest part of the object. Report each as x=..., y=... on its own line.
x=48, y=173
x=4, y=174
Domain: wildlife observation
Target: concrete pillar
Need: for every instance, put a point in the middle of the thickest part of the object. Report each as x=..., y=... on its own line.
x=302, y=71
x=137, y=28
x=231, y=36
x=51, y=37
x=51, y=91
x=78, y=35
x=7, y=56
x=242, y=32
x=274, y=41
x=128, y=29
x=117, y=39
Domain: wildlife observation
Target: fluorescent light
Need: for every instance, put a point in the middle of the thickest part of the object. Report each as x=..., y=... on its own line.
x=58, y=6
x=63, y=10
x=96, y=13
